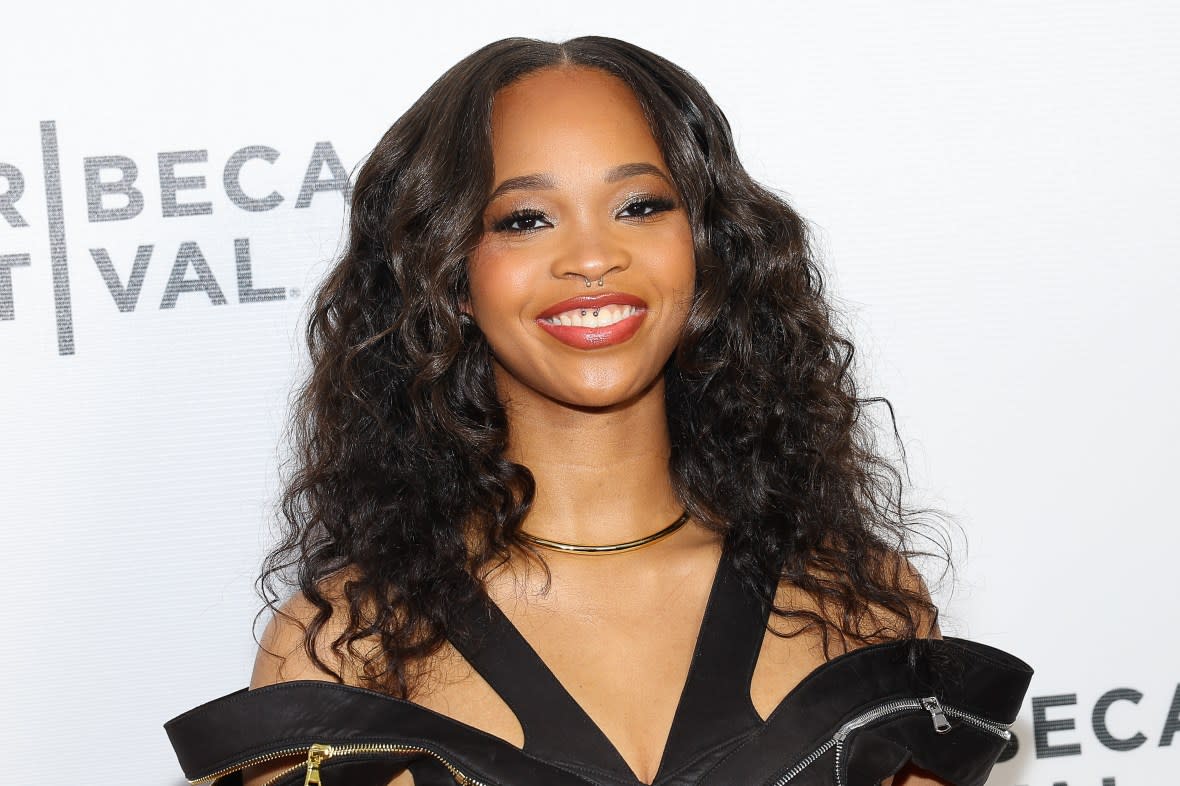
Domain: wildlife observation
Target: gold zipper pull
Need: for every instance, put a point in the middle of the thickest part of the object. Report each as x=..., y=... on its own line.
x=315, y=755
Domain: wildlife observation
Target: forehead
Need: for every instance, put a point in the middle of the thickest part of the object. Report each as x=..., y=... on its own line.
x=569, y=118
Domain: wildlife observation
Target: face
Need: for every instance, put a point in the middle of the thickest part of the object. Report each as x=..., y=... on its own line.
x=581, y=194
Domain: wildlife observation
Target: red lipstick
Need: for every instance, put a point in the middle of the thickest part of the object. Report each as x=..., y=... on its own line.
x=594, y=337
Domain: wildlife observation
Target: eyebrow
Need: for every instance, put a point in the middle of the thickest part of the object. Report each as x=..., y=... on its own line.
x=545, y=182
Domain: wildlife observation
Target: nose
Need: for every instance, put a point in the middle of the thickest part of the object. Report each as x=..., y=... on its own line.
x=590, y=252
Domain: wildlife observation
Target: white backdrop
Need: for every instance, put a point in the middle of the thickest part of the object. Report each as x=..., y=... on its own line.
x=995, y=186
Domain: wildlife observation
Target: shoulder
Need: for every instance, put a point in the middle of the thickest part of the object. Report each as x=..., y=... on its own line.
x=809, y=629
x=284, y=655
x=888, y=595
x=910, y=580
x=896, y=573
x=286, y=646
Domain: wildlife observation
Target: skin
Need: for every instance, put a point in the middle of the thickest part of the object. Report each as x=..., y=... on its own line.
x=590, y=425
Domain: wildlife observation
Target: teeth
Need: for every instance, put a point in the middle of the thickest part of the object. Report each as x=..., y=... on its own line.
x=592, y=317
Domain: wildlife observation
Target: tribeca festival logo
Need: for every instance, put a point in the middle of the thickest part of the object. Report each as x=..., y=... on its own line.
x=1058, y=736
x=112, y=194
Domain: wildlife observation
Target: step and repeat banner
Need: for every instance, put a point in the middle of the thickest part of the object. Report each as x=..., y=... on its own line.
x=994, y=189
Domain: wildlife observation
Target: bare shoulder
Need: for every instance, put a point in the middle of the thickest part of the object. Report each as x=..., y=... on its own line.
x=283, y=657
x=900, y=590
x=283, y=654
x=905, y=575
x=794, y=645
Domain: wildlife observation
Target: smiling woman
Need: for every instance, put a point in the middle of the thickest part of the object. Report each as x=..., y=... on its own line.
x=584, y=495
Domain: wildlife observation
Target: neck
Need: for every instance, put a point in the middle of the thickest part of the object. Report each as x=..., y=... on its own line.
x=601, y=474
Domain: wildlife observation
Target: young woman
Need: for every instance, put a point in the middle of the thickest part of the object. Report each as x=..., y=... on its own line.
x=584, y=494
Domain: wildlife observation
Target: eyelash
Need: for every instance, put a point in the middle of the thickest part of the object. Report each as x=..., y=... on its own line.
x=655, y=205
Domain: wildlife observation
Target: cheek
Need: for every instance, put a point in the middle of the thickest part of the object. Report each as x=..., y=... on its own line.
x=675, y=254
x=497, y=281
x=683, y=273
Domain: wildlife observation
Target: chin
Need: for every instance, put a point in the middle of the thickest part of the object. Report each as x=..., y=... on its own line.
x=606, y=389
x=598, y=402
x=608, y=396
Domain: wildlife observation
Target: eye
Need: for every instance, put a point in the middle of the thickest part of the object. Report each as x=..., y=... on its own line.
x=645, y=207
x=521, y=222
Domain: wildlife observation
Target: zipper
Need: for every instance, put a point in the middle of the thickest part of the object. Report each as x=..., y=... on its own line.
x=319, y=752
x=939, y=716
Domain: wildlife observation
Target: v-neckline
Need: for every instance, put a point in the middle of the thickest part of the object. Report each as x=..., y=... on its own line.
x=503, y=628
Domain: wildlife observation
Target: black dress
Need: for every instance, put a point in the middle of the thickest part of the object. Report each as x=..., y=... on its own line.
x=945, y=705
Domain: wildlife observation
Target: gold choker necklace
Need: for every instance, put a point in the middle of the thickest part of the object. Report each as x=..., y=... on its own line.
x=609, y=548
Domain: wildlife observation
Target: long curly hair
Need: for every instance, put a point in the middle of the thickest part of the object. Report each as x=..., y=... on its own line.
x=399, y=438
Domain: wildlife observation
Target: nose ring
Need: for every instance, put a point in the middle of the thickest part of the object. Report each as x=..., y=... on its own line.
x=600, y=281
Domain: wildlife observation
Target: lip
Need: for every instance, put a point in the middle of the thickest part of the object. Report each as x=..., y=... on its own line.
x=597, y=337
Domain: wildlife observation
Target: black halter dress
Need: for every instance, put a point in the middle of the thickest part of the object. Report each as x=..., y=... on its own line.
x=854, y=721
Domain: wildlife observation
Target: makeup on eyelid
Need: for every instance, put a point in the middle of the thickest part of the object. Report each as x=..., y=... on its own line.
x=654, y=204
